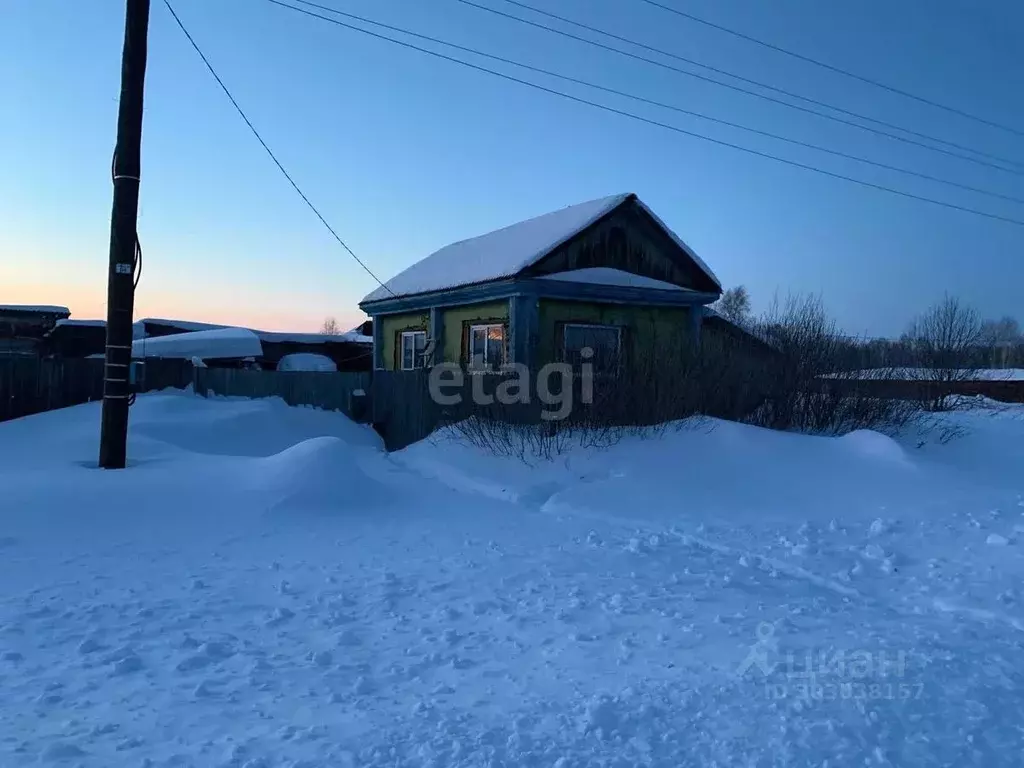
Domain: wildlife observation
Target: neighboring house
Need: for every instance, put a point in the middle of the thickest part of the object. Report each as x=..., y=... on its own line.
x=76, y=339
x=22, y=327
x=84, y=338
x=751, y=341
x=365, y=328
x=606, y=274
x=350, y=352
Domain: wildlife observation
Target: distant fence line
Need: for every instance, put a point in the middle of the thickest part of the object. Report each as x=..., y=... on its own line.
x=1007, y=391
x=399, y=404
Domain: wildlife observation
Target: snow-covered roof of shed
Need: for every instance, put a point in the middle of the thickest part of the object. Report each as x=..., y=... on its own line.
x=226, y=343
x=314, y=338
x=271, y=336
x=43, y=309
x=507, y=252
x=82, y=323
x=185, y=325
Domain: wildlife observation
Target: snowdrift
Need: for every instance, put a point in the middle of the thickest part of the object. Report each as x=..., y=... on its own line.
x=264, y=586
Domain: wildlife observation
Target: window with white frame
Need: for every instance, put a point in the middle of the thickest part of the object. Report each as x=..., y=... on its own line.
x=414, y=344
x=487, y=346
x=598, y=345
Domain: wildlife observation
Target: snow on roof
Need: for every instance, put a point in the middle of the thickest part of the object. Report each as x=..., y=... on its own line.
x=307, y=361
x=612, y=276
x=83, y=323
x=273, y=336
x=185, y=325
x=43, y=309
x=506, y=252
x=314, y=338
x=208, y=345
x=501, y=253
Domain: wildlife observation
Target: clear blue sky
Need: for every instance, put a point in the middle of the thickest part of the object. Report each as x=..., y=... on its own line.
x=404, y=153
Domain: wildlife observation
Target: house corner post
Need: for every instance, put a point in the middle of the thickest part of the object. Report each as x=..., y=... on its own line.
x=523, y=322
x=437, y=334
x=696, y=323
x=378, y=343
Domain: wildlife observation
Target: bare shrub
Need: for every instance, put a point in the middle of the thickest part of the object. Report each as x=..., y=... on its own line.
x=790, y=371
x=642, y=399
x=809, y=384
x=946, y=345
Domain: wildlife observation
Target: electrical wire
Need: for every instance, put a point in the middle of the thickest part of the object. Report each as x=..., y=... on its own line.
x=137, y=264
x=833, y=68
x=649, y=121
x=269, y=151
x=757, y=83
x=765, y=97
x=663, y=105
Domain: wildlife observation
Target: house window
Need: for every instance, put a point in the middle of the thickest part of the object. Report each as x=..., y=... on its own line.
x=602, y=342
x=487, y=346
x=414, y=344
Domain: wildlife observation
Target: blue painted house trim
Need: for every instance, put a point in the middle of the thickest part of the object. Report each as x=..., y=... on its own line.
x=524, y=297
x=540, y=288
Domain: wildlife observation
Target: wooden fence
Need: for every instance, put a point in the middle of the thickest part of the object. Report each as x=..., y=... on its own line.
x=29, y=385
x=330, y=391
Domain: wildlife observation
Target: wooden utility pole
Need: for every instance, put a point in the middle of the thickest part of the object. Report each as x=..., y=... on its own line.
x=120, y=280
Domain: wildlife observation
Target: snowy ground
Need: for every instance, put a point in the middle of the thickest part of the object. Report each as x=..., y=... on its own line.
x=264, y=587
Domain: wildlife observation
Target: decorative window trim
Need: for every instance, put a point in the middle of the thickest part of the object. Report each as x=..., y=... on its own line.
x=482, y=324
x=400, y=348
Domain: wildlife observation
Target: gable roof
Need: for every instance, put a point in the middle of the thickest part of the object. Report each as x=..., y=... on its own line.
x=506, y=252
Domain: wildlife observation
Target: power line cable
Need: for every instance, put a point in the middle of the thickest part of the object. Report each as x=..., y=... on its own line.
x=757, y=83
x=833, y=68
x=649, y=121
x=755, y=94
x=661, y=104
x=270, y=152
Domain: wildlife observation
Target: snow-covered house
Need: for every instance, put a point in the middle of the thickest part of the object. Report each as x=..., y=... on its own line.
x=606, y=274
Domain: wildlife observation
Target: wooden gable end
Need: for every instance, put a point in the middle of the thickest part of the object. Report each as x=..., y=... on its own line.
x=627, y=238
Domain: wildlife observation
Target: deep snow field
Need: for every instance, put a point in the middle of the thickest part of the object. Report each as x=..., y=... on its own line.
x=264, y=587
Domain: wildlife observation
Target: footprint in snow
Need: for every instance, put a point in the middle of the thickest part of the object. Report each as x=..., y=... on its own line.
x=127, y=665
x=279, y=617
x=59, y=751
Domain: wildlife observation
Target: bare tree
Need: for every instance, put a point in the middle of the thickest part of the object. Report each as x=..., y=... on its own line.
x=734, y=305
x=946, y=345
x=1004, y=331
x=330, y=327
